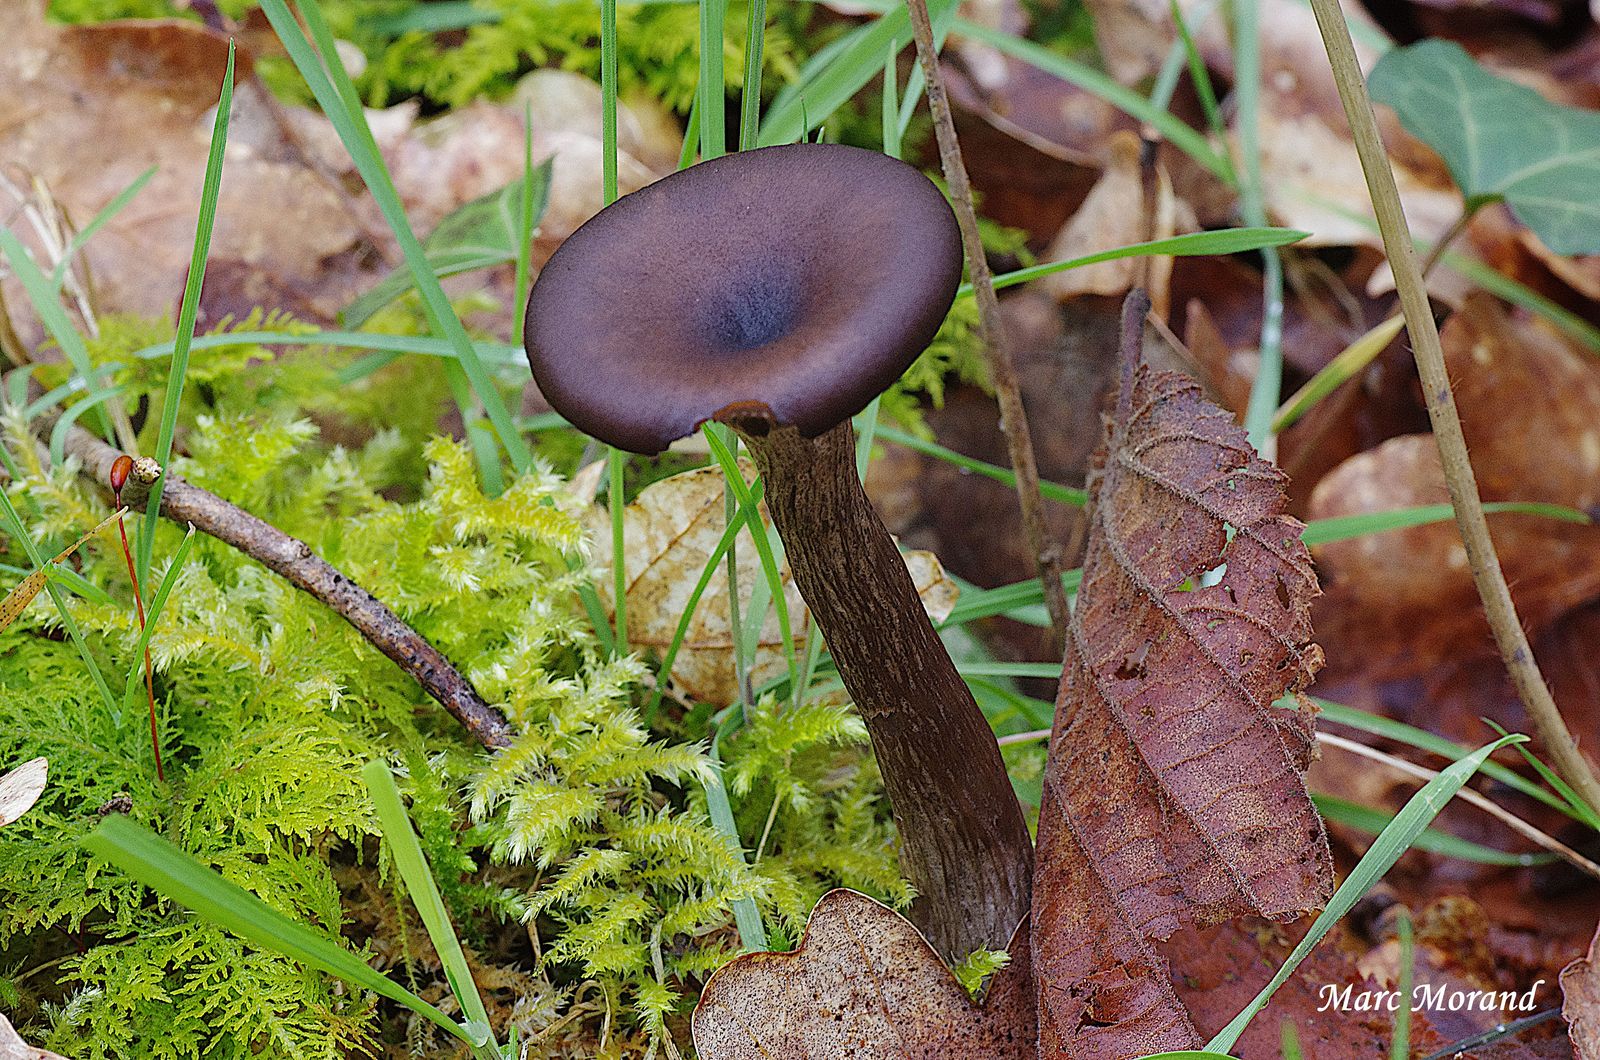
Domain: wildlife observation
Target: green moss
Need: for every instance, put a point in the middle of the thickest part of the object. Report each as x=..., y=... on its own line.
x=590, y=827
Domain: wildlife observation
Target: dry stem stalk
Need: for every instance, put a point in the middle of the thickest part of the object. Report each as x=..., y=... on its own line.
x=1013, y=418
x=305, y=570
x=1459, y=478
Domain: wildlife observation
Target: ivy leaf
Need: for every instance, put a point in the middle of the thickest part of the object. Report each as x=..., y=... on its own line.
x=1174, y=794
x=862, y=983
x=476, y=235
x=1501, y=141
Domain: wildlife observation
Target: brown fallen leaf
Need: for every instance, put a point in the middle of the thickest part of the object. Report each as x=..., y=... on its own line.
x=863, y=984
x=669, y=531
x=1117, y=213
x=1580, y=1005
x=21, y=787
x=1530, y=401
x=89, y=108
x=1175, y=790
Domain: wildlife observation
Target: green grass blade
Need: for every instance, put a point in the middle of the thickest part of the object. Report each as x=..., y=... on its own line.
x=525, y=215
x=40, y=561
x=707, y=572
x=974, y=604
x=758, y=534
x=832, y=76
x=616, y=464
x=746, y=917
x=66, y=421
x=174, y=874
x=413, y=867
x=45, y=301
x=1344, y=527
x=1349, y=361
x=1575, y=807
x=711, y=91
x=1393, y=841
x=353, y=132
x=755, y=39
x=58, y=275
x=1266, y=392
x=1423, y=740
x=1181, y=136
x=68, y=579
x=501, y=355
x=130, y=687
x=189, y=308
x=1199, y=76
x=1193, y=244
x=1049, y=490
x=1374, y=821
x=1400, y=1042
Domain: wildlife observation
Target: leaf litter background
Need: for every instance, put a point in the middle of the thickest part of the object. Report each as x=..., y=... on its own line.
x=91, y=108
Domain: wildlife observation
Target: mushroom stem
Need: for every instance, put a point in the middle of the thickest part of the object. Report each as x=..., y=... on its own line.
x=964, y=843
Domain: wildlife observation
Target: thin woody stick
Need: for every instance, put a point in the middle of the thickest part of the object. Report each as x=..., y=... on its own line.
x=1515, y=651
x=1008, y=392
x=305, y=570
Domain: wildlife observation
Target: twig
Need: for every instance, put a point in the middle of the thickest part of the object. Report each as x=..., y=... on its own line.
x=1003, y=371
x=1458, y=475
x=1467, y=795
x=305, y=570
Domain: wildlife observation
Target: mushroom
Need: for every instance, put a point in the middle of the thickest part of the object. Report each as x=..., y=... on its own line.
x=778, y=291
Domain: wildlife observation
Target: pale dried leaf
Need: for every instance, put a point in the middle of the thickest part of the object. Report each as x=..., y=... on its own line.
x=669, y=531
x=21, y=787
x=1175, y=790
x=863, y=984
x=12, y=1047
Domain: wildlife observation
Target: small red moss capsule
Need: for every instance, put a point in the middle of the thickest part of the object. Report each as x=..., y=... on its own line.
x=119, y=471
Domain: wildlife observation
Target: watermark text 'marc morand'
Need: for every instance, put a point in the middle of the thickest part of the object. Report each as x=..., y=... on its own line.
x=1427, y=997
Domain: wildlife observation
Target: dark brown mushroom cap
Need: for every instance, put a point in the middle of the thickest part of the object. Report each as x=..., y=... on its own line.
x=799, y=280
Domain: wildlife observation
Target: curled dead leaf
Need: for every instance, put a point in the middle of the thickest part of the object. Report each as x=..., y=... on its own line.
x=669, y=532
x=863, y=984
x=1580, y=1005
x=1175, y=792
x=1405, y=599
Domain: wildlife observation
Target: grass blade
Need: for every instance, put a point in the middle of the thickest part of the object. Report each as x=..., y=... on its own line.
x=1193, y=244
x=58, y=275
x=332, y=89
x=175, y=875
x=1384, y=852
x=413, y=867
x=190, y=307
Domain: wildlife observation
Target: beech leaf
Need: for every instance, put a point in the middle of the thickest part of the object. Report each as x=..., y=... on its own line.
x=1175, y=791
x=1580, y=1002
x=1501, y=140
x=863, y=984
x=669, y=532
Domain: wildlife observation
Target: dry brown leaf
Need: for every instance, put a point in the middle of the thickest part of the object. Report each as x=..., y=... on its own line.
x=91, y=107
x=21, y=787
x=863, y=984
x=669, y=531
x=1116, y=214
x=1175, y=790
x=1580, y=1005
x=1530, y=407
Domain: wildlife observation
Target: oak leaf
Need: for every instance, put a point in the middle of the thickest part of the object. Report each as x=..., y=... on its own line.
x=1580, y=1005
x=863, y=984
x=1175, y=792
